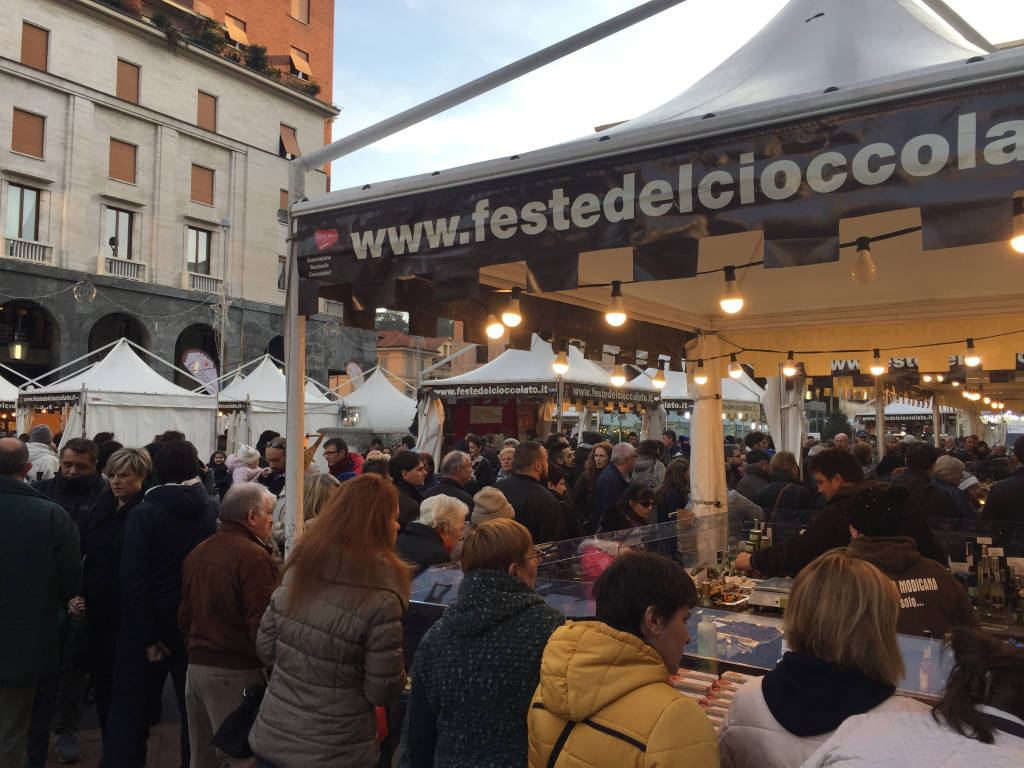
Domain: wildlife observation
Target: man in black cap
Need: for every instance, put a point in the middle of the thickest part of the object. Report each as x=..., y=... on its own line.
x=757, y=477
x=931, y=600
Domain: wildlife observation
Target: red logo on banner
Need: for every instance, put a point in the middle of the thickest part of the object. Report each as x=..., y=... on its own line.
x=325, y=238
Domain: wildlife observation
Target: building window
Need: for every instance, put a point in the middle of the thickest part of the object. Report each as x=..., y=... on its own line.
x=283, y=203
x=282, y=272
x=300, y=10
x=127, y=81
x=237, y=37
x=300, y=64
x=27, y=133
x=22, y=212
x=35, y=46
x=206, y=113
x=198, y=251
x=202, y=185
x=118, y=225
x=289, y=146
x=122, y=161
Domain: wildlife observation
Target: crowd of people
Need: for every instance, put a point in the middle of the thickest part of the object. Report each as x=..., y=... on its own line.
x=119, y=572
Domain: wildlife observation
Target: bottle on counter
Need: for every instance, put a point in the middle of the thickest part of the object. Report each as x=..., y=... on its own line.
x=707, y=637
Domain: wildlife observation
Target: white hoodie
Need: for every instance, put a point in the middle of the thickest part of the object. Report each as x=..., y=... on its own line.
x=43, y=460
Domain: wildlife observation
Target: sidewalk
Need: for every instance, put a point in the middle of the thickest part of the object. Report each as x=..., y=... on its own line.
x=163, y=750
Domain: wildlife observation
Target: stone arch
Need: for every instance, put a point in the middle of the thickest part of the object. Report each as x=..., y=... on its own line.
x=201, y=337
x=275, y=348
x=118, y=325
x=38, y=332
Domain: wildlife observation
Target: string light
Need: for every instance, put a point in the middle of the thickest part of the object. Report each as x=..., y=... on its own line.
x=789, y=367
x=986, y=399
x=659, y=381
x=735, y=369
x=731, y=302
x=700, y=378
x=927, y=378
x=494, y=329
x=561, y=364
x=616, y=312
x=512, y=316
x=1017, y=242
x=864, y=267
x=956, y=383
x=971, y=358
x=940, y=378
x=877, y=367
x=618, y=374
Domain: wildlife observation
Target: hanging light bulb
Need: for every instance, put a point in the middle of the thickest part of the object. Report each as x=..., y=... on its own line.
x=956, y=383
x=971, y=358
x=966, y=395
x=877, y=366
x=939, y=378
x=864, y=267
x=561, y=364
x=735, y=369
x=700, y=378
x=616, y=312
x=1017, y=242
x=927, y=378
x=986, y=399
x=659, y=381
x=494, y=329
x=512, y=316
x=618, y=376
x=731, y=302
x=789, y=367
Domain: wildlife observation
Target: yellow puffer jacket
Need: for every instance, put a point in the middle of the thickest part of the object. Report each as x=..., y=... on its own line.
x=604, y=699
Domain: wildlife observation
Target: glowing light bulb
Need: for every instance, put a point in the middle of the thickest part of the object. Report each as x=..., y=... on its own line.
x=659, y=380
x=864, y=267
x=616, y=312
x=927, y=378
x=561, y=364
x=735, y=369
x=731, y=301
x=494, y=329
x=789, y=367
x=618, y=376
x=700, y=378
x=971, y=358
x=940, y=378
x=512, y=315
x=877, y=366
x=956, y=383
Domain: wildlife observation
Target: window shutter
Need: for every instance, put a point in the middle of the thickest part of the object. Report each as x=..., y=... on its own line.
x=288, y=140
x=206, y=115
x=284, y=200
x=202, y=185
x=236, y=29
x=27, y=133
x=122, y=161
x=300, y=60
x=127, y=81
x=35, y=46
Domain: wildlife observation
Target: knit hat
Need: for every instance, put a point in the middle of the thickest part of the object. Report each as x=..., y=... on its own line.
x=878, y=510
x=40, y=433
x=490, y=504
x=247, y=454
x=968, y=481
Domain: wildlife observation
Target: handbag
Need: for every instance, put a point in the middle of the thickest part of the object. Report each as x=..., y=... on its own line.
x=232, y=738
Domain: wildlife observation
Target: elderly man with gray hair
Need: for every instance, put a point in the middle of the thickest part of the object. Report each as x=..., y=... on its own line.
x=432, y=537
x=226, y=585
x=612, y=482
x=456, y=473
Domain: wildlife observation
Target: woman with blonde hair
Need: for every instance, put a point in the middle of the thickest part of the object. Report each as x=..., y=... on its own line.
x=840, y=627
x=333, y=633
x=316, y=489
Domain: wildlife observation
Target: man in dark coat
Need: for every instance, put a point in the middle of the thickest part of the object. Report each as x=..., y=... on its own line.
x=171, y=521
x=785, y=499
x=78, y=483
x=456, y=474
x=924, y=493
x=757, y=478
x=40, y=570
x=527, y=492
x=1006, y=498
x=407, y=473
x=612, y=482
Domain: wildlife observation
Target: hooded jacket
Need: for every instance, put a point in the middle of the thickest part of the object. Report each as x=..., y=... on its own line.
x=604, y=700
x=474, y=673
x=159, y=534
x=778, y=721
x=45, y=463
x=931, y=600
x=335, y=657
x=649, y=472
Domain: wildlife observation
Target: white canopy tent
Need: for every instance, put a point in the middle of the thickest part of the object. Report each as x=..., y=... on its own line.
x=120, y=393
x=380, y=407
x=849, y=77
x=256, y=401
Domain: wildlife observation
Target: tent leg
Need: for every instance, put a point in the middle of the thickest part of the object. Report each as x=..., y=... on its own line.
x=295, y=369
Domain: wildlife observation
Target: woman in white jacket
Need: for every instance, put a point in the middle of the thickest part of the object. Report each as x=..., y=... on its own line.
x=979, y=721
x=840, y=626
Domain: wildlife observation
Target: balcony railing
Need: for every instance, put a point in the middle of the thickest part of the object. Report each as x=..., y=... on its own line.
x=123, y=268
x=334, y=308
x=193, y=281
x=27, y=250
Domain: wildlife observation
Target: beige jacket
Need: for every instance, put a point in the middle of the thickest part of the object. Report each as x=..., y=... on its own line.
x=334, y=658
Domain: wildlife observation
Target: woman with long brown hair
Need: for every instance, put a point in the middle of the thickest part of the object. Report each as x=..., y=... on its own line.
x=582, y=497
x=333, y=634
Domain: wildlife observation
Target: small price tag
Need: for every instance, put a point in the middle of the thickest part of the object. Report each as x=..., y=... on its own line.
x=963, y=568
x=1015, y=562
x=984, y=540
x=995, y=551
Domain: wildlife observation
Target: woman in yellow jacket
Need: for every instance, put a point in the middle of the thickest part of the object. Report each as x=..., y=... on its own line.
x=604, y=697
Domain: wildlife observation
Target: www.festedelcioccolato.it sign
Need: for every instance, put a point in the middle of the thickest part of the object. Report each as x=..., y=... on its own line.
x=958, y=156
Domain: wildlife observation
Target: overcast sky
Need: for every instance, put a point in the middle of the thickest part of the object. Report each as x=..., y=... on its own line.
x=393, y=54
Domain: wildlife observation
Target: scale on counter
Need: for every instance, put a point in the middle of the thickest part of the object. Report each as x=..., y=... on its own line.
x=771, y=593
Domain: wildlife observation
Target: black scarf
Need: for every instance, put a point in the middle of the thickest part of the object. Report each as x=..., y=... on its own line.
x=809, y=696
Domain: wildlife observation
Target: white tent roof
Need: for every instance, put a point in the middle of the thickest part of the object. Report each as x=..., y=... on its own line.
x=120, y=370
x=741, y=390
x=8, y=392
x=380, y=405
x=900, y=408
x=517, y=365
x=266, y=383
